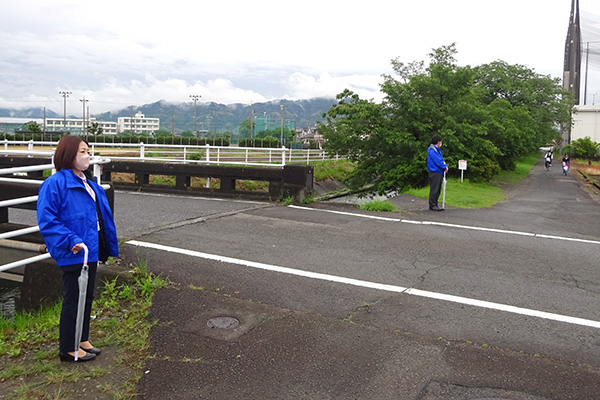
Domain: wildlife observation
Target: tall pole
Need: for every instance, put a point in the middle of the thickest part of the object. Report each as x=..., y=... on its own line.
x=587, y=57
x=282, y=111
x=83, y=115
x=65, y=94
x=215, y=137
x=251, y=124
x=172, y=125
x=195, y=97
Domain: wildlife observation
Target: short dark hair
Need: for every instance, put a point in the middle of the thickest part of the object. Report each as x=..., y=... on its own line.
x=436, y=139
x=66, y=151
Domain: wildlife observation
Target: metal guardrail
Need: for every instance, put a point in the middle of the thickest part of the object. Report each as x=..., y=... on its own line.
x=218, y=155
x=95, y=162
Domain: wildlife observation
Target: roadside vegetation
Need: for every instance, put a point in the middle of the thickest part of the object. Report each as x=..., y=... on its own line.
x=29, y=364
x=490, y=115
x=468, y=194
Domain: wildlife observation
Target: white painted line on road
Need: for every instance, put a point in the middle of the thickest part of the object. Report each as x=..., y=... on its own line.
x=348, y=213
x=190, y=197
x=374, y=285
x=476, y=228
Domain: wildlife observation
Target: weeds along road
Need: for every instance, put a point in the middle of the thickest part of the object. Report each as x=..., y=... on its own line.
x=519, y=280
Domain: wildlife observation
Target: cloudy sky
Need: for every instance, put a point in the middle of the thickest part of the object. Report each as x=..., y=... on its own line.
x=129, y=52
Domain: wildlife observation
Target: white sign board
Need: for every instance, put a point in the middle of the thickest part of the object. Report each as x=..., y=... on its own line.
x=462, y=164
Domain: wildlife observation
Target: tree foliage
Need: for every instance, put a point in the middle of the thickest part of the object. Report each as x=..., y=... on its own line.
x=488, y=115
x=95, y=129
x=34, y=127
x=582, y=148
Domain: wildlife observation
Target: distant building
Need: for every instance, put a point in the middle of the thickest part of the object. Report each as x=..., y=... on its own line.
x=586, y=122
x=269, y=122
x=76, y=126
x=138, y=124
x=304, y=135
x=12, y=124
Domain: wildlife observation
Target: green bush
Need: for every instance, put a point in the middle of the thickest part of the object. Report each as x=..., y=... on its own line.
x=378, y=205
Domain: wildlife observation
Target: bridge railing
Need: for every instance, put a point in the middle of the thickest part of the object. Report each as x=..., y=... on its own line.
x=207, y=154
x=9, y=176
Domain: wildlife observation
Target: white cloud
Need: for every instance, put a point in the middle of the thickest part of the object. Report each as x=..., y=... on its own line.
x=302, y=86
x=118, y=53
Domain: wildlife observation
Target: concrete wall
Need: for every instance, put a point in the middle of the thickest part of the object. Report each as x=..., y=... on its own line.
x=586, y=123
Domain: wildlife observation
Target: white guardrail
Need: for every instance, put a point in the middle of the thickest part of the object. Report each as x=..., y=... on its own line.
x=218, y=155
x=4, y=242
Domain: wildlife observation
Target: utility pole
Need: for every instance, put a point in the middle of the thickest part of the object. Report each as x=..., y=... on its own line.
x=172, y=125
x=131, y=119
x=195, y=97
x=251, y=124
x=65, y=94
x=83, y=130
x=215, y=136
x=282, y=111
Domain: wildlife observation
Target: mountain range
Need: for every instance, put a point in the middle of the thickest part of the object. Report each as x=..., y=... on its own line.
x=180, y=116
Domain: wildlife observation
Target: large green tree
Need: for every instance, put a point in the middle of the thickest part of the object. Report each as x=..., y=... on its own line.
x=487, y=115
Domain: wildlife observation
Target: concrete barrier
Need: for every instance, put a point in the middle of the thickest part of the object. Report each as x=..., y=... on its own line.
x=293, y=180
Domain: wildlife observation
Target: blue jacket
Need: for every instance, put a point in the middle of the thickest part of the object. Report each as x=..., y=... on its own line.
x=435, y=160
x=66, y=215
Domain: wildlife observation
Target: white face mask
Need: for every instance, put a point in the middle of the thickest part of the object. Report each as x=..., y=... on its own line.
x=82, y=160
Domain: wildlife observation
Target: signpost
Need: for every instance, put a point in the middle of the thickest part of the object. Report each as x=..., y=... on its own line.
x=462, y=165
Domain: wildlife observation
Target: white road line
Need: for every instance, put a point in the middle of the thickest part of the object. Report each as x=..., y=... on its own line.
x=476, y=228
x=374, y=285
x=348, y=213
x=190, y=197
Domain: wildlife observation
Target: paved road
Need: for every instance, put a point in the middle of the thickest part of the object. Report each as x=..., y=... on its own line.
x=333, y=304
x=338, y=303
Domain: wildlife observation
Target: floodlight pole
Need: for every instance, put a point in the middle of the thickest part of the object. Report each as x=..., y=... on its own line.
x=195, y=97
x=65, y=94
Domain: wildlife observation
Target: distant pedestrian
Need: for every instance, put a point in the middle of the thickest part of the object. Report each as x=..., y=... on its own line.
x=73, y=210
x=436, y=167
x=548, y=160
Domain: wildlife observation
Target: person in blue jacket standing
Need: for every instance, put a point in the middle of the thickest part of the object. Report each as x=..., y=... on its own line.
x=436, y=167
x=73, y=210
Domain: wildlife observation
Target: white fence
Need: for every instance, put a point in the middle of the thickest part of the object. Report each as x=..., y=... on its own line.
x=218, y=155
x=10, y=174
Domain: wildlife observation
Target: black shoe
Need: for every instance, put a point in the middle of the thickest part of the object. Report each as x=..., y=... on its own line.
x=92, y=350
x=70, y=358
x=436, y=208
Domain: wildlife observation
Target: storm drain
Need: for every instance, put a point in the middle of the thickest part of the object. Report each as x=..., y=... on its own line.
x=223, y=323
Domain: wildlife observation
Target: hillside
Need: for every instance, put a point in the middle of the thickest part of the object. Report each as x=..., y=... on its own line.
x=180, y=116
x=228, y=117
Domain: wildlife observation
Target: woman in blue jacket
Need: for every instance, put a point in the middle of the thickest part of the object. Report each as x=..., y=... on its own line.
x=73, y=210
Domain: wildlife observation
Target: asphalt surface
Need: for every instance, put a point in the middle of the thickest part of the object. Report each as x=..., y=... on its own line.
x=497, y=303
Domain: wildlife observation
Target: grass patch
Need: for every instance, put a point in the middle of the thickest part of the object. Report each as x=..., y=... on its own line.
x=168, y=180
x=522, y=168
x=252, y=186
x=477, y=195
x=30, y=368
x=378, y=205
x=466, y=194
x=332, y=170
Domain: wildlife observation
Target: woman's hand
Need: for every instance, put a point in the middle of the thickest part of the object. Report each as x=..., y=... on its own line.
x=77, y=248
